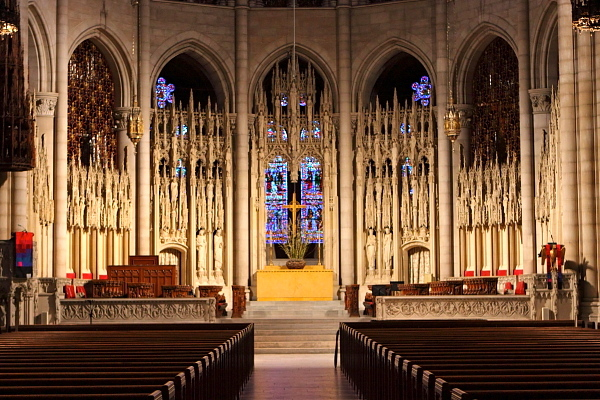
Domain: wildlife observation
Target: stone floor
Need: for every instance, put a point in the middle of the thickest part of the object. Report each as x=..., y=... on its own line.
x=297, y=377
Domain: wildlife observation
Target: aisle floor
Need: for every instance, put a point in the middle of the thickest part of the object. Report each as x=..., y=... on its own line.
x=297, y=377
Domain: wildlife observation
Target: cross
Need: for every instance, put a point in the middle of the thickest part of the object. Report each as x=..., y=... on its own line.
x=294, y=206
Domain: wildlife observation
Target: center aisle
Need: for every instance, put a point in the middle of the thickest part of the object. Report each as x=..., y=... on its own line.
x=297, y=377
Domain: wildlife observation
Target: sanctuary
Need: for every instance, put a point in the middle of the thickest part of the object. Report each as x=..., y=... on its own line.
x=424, y=141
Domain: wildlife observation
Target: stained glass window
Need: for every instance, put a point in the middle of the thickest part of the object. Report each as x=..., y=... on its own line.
x=422, y=91
x=284, y=100
x=180, y=170
x=312, y=197
x=496, y=100
x=276, y=188
x=407, y=167
x=403, y=129
x=164, y=92
x=272, y=132
x=91, y=137
x=181, y=132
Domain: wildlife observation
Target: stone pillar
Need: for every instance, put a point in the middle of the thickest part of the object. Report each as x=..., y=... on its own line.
x=121, y=116
x=61, y=247
x=541, y=101
x=241, y=237
x=142, y=223
x=586, y=152
x=445, y=195
x=461, y=152
x=346, y=153
x=569, y=198
x=526, y=141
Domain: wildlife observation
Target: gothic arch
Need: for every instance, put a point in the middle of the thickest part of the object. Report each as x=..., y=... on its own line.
x=469, y=53
x=370, y=69
x=40, y=53
x=116, y=54
x=545, y=57
x=317, y=62
x=208, y=59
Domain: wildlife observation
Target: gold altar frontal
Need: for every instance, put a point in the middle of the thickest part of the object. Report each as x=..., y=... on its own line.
x=277, y=283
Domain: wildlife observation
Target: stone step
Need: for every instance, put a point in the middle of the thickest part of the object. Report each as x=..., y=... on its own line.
x=294, y=338
x=299, y=344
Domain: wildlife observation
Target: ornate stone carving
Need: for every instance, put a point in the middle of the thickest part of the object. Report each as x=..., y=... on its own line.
x=138, y=310
x=549, y=170
x=395, y=180
x=541, y=100
x=43, y=204
x=45, y=104
x=121, y=117
x=450, y=307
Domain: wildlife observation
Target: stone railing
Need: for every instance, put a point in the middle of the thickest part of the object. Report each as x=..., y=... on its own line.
x=77, y=311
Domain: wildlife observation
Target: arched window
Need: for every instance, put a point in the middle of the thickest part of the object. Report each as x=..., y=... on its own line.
x=92, y=138
x=496, y=101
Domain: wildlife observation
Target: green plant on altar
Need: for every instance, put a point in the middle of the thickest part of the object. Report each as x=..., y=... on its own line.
x=296, y=243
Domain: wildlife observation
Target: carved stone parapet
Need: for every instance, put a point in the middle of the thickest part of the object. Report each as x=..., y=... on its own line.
x=541, y=100
x=45, y=104
x=75, y=311
x=453, y=307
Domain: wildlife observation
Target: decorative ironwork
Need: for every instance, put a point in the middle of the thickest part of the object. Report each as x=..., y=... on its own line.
x=9, y=17
x=91, y=101
x=16, y=133
x=586, y=15
x=496, y=101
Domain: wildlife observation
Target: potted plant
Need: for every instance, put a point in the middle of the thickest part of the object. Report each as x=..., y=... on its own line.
x=295, y=247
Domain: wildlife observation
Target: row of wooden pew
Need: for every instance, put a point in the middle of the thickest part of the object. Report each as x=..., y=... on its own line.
x=126, y=362
x=464, y=360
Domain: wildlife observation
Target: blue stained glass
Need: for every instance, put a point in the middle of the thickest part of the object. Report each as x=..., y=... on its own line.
x=407, y=167
x=403, y=128
x=164, y=92
x=284, y=100
x=180, y=170
x=302, y=100
x=312, y=197
x=422, y=91
x=276, y=188
x=272, y=132
x=181, y=132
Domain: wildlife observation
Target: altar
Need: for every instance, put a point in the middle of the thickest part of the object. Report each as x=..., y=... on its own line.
x=277, y=283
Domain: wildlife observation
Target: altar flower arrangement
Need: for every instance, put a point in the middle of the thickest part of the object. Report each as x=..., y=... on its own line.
x=295, y=246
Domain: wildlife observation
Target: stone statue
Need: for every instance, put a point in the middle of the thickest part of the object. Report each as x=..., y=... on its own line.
x=201, y=246
x=388, y=242
x=218, y=250
x=371, y=249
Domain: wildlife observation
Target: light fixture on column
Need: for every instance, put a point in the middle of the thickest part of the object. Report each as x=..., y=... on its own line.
x=451, y=120
x=135, y=125
x=586, y=15
x=9, y=17
x=452, y=117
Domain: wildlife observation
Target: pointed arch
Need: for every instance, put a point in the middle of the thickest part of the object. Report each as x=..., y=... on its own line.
x=375, y=62
x=208, y=56
x=545, y=57
x=469, y=53
x=317, y=62
x=41, y=54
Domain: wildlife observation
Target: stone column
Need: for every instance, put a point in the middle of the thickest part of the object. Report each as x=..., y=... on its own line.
x=541, y=105
x=121, y=115
x=346, y=153
x=569, y=189
x=241, y=238
x=61, y=247
x=461, y=152
x=586, y=152
x=45, y=106
x=526, y=141
x=445, y=191
x=143, y=212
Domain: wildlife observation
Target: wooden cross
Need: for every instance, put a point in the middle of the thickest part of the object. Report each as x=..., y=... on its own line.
x=294, y=206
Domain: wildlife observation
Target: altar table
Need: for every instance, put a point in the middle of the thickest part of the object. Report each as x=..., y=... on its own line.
x=277, y=283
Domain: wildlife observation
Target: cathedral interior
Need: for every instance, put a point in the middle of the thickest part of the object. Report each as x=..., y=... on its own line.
x=421, y=139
